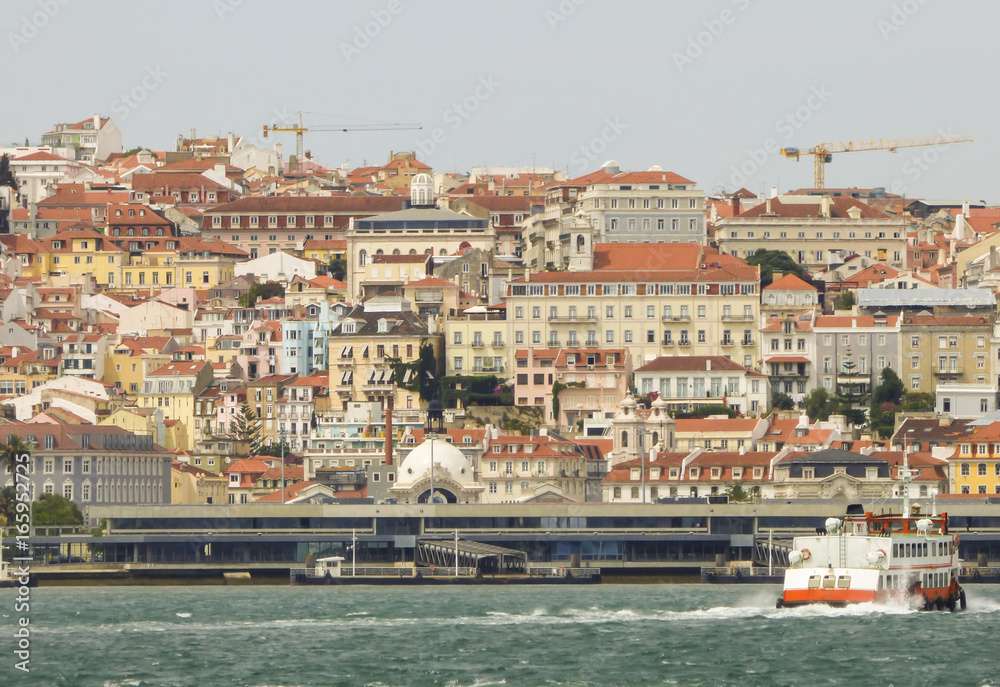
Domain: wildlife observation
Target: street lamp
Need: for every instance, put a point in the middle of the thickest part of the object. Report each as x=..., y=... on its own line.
x=281, y=438
x=433, y=427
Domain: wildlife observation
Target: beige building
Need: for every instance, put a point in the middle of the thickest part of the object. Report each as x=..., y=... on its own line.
x=945, y=349
x=189, y=484
x=645, y=306
x=477, y=342
x=420, y=229
x=381, y=328
x=816, y=231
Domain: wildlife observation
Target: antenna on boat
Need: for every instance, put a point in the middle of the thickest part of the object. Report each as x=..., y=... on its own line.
x=907, y=478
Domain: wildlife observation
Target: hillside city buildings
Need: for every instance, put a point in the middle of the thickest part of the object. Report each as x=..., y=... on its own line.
x=219, y=323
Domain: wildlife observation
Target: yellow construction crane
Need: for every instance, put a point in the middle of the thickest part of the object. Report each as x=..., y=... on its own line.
x=823, y=153
x=301, y=129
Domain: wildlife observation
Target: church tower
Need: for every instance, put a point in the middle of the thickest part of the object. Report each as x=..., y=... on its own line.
x=581, y=244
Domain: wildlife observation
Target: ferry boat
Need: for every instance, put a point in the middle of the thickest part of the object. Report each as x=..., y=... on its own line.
x=869, y=557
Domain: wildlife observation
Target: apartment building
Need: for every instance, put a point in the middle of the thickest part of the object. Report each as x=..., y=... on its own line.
x=852, y=350
x=92, y=140
x=788, y=351
x=381, y=328
x=686, y=382
x=787, y=295
x=612, y=206
x=949, y=349
x=261, y=225
x=477, y=341
x=816, y=231
x=650, y=309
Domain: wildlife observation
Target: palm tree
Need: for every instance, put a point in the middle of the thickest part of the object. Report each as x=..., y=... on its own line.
x=10, y=451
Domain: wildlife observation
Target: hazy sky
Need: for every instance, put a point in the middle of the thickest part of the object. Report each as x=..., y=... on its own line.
x=709, y=89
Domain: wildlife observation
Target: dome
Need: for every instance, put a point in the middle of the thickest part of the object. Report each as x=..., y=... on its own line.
x=422, y=191
x=659, y=404
x=448, y=460
x=628, y=402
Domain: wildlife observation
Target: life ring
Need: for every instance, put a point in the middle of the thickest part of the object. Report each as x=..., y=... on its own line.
x=806, y=554
x=882, y=551
x=431, y=567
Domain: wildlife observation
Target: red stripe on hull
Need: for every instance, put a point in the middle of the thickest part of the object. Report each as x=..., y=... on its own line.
x=795, y=597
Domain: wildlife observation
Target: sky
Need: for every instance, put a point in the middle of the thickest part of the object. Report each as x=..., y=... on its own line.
x=710, y=89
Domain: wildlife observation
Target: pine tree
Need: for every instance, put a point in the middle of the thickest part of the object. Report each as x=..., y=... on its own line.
x=851, y=393
x=245, y=431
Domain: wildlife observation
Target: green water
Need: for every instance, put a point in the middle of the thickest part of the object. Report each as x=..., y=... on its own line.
x=588, y=635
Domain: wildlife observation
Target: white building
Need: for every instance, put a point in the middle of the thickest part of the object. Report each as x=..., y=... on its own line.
x=685, y=382
x=278, y=267
x=92, y=140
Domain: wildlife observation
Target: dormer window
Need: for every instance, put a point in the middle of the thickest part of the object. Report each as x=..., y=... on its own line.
x=383, y=326
x=348, y=327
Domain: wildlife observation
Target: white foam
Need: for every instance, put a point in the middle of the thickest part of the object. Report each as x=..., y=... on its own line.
x=183, y=615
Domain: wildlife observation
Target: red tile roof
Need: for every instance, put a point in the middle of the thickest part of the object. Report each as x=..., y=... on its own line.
x=789, y=282
x=690, y=363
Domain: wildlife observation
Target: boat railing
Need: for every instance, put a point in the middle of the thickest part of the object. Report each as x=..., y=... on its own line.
x=743, y=570
x=367, y=571
x=446, y=571
x=564, y=572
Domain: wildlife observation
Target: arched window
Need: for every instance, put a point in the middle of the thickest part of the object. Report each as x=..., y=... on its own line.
x=656, y=438
x=145, y=231
x=617, y=493
x=378, y=252
x=131, y=231
x=413, y=251
x=362, y=258
x=159, y=231
x=118, y=232
x=395, y=251
x=624, y=438
x=580, y=242
x=443, y=252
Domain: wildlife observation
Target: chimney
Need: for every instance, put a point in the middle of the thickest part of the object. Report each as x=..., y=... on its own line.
x=97, y=122
x=230, y=142
x=389, y=402
x=708, y=365
x=737, y=206
x=767, y=207
x=959, y=234
x=965, y=208
x=774, y=191
x=193, y=136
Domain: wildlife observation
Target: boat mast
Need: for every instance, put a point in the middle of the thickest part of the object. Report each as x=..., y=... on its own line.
x=907, y=478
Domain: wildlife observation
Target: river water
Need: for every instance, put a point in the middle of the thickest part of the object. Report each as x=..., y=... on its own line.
x=585, y=635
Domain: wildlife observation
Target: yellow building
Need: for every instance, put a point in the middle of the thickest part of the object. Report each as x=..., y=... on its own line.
x=189, y=484
x=133, y=358
x=477, y=342
x=975, y=466
x=324, y=250
x=21, y=370
x=263, y=395
x=182, y=261
x=74, y=253
x=173, y=388
x=381, y=329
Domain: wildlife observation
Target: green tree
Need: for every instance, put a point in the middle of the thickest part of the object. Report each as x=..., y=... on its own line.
x=890, y=389
x=818, y=404
x=139, y=149
x=261, y=292
x=737, y=493
x=845, y=300
x=274, y=450
x=7, y=177
x=771, y=261
x=851, y=393
x=885, y=401
x=915, y=402
x=781, y=401
x=8, y=504
x=9, y=452
x=52, y=510
x=423, y=377
x=706, y=410
x=338, y=268
x=244, y=429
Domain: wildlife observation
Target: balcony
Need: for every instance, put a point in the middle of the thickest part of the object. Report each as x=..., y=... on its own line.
x=573, y=318
x=737, y=318
x=684, y=342
x=497, y=343
x=478, y=344
x=747, y=342
x=344, y=362
x=949, y=371
x=728, y=342
x=678, y=318
x=667, y=342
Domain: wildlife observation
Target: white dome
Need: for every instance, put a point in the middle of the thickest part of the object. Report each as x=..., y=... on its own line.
x=448, y=460
x=422, y=190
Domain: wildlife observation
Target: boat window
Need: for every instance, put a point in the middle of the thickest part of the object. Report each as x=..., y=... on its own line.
x=829, y=581
x=844, y=582
x=895, y=550
x=924, y=547
x=813, y=581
